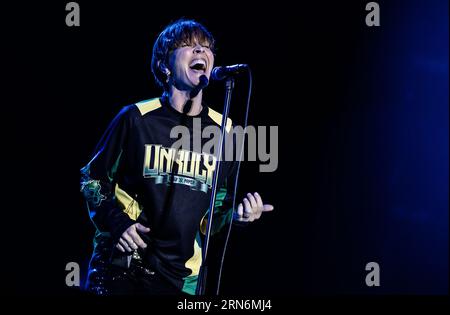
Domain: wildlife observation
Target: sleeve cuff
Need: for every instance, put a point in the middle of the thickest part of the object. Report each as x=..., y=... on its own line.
x=121, y=226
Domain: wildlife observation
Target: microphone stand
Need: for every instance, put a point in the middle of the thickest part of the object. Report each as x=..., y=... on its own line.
x=201, y=284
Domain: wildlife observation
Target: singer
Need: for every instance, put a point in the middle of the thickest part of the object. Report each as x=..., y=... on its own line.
x=148, y=205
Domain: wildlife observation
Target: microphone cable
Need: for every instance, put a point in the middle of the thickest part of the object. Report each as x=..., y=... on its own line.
x=250, y=80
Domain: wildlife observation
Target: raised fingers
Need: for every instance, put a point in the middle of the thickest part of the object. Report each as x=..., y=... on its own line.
x=120, y=247
x=240, y=210
x=142, y=228
x=252, y=202
x=137, y=240
x=125, y=244
x=259, y=204
x=259, y=201
x=248, y=212
x=239, y=213
x=129, y=239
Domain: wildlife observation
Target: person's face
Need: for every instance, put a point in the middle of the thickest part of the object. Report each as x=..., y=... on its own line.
x=188, y=62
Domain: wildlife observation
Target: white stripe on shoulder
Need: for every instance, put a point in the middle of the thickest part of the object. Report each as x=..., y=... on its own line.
x=148, y=105
x=217, y=117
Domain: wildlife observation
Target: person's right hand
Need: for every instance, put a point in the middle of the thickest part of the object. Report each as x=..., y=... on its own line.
x=130, y=239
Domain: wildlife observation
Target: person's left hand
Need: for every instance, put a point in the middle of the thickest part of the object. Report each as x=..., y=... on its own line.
x=251, y=208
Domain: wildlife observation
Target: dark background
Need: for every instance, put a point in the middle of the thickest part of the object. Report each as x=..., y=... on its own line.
x=363, y=137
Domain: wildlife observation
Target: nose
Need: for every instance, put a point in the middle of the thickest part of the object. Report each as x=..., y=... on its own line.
x=199, y=49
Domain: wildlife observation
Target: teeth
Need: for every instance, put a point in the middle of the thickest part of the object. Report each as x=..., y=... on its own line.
x=198, y=61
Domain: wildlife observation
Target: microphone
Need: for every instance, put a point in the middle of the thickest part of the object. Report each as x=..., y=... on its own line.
x=221, y=73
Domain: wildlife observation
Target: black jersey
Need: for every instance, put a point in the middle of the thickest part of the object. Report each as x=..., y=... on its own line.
x=136, y=175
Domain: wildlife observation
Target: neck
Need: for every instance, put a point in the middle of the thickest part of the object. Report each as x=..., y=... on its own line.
x=178, y=99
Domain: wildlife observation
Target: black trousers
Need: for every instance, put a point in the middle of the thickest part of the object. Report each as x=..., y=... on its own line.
x=105, y=278
x=110, y=274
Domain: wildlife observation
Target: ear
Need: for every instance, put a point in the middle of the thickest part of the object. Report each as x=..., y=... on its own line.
x=163, y=68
